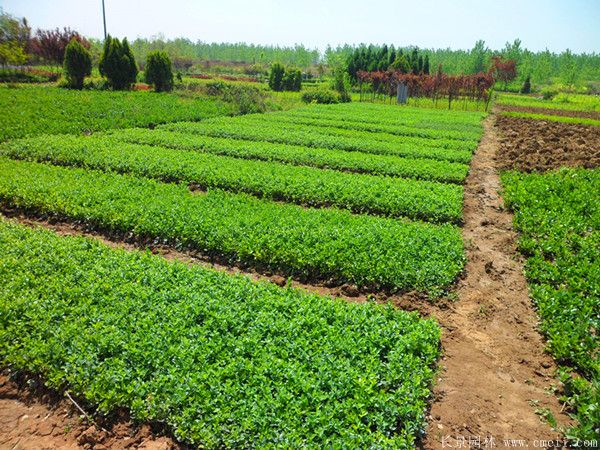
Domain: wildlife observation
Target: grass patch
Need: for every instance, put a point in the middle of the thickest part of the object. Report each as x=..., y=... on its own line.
x=35, y=110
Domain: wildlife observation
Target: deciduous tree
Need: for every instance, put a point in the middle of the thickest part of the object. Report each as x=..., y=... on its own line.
x=50, y=45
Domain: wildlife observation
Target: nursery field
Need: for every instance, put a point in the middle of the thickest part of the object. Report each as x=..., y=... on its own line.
x=354, y=195
x=357, y=200
x=224, y=361
x=559, y=218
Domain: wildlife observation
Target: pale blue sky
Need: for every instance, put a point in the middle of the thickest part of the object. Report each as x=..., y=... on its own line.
x=555, y=24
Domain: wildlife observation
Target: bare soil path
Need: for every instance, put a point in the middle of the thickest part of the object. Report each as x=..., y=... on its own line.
x=495, y=373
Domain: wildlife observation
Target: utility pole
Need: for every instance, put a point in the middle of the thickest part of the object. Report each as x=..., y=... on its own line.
x=104, y=19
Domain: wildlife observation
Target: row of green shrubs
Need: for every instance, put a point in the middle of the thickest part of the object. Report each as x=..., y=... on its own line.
x=117, y=65
x=324, y=96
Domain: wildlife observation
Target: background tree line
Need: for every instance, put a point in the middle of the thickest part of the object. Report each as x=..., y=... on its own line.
x=542, y=68
x=19, y=45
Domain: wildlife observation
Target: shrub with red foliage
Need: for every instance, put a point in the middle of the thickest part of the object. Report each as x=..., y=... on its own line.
x=141, y=87
x=234, y=78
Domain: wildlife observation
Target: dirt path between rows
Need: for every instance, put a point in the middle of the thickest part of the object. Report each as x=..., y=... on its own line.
x=494, y=374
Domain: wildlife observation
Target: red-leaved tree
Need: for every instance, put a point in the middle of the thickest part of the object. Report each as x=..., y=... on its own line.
x=50, y=45
x=504, y=70
x=453, y=87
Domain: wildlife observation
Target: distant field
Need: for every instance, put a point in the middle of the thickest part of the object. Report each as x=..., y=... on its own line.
x=570, y=102
x=33, y=110
x=579, y=120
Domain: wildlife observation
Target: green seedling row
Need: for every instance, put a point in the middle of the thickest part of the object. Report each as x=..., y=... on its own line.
x=303, y=185
x=340, y=139
x=283, y=123
x=326, y=244
x=558, y=215
x=377, y=129
x=417, y=167
x=415, y=119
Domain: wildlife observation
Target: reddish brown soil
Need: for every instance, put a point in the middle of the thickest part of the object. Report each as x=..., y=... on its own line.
x=34, y=418
x=551, y=112
x=539, y=145
x=495, y=372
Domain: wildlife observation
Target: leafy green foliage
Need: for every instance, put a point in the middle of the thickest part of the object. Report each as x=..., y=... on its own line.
x=380, y=129
x=284, y=79
x=223, y=361
x=559, y=216
x=526, y=89
x=246, y=98
x=322, y=96
x=415, y=167
x=77, y=64
x=366, y=113
x=117, y=63
x=158, y=71
x=306, y=243
x=292, y=80
x=14, y=38
x=304, y=185
x=35, y=110
x=341, y=83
